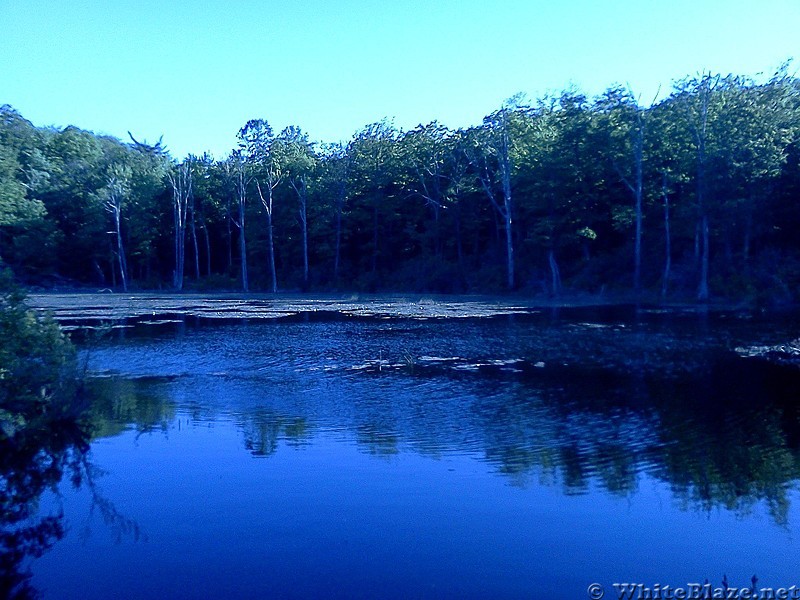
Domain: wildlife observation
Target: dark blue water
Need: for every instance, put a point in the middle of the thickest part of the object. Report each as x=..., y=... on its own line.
x=516, y=456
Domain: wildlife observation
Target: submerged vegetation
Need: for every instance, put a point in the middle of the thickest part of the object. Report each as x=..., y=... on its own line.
x=690, y=197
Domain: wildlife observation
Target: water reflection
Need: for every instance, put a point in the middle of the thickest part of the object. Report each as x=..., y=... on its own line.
x=32, y=462
x=393, y=447
x=725, y=438
x=119, y=403
x=40, y=460
x=737, y=446
x=263, y=429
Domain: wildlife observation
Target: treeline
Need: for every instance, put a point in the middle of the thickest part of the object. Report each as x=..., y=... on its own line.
x=697, y=195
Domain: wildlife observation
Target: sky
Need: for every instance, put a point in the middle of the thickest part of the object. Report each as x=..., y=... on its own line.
x=196, y=71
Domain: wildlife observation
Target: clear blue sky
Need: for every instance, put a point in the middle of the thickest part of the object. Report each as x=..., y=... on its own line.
x=196, y=71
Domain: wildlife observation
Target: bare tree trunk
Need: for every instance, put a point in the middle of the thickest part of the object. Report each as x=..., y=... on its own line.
x=123, y=267
x=241, y=188
x=636, y=188
x=196, y=250
x=230, y=241
x=101, y=278
x=375, y=237
x=301, y=189
x=177, y=274
x=177, y=279
x=459, y=241
x=505, y=209
x=638, y=156
x=504, y=212
x=700, y=133
x=505, y=174
x=181, y=180
x=304, y=223
x=509, y=252
x=271, y=245
x=697, y=244
x=667, y=241
x=207, y=245
x=551, y=254
x=267, y=203
x=554, y=272
x=243, y=245
x=114, y=206
x=341, y=198
x=702, y=292
x=336, y=257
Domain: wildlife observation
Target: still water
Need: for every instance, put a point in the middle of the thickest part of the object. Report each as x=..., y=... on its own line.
x=520, y=455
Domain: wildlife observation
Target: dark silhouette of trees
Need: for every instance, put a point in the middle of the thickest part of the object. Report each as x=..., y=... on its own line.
x=694, y=195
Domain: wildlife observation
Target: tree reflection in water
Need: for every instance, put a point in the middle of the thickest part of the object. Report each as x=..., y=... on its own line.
x=32, y=462
x=729, y=438
x=263, y=429
x=36, y=459
x=726, y=437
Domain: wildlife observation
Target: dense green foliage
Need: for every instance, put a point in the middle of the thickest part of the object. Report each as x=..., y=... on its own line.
x=43, y=432
x=38, y=367
x=695, y=195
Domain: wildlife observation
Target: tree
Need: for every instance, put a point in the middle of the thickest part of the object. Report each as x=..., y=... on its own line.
x=699, y=99
x=242, y=178
x=77, y=172
x=16, y=181
x=695, y=193
x=334, y=171
x=372, y=153
x=566, y=184
x=27, y=236
x=426, y=151
x=180, y=178
x=266, y=154
x=626, y=124
x=116, y=194
x=491, y=158
x=740, y=133
x=205, y=206
x=301, y=162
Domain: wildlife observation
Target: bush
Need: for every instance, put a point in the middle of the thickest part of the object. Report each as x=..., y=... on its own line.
x=38, y=366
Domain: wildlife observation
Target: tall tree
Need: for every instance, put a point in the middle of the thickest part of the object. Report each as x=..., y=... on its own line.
x=117, y=191
x=180, y=178
x=427, y=150
x=492, y=159
x=372, y=153
x=626, y=124
x=241, y=171
x=699, y=98
x=301, y=162
x=23, y=179
x=335, y=167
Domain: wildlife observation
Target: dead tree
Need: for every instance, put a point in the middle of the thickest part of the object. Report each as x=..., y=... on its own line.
x=181, y=180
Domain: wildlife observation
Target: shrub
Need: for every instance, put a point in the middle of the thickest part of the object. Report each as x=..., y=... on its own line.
x=38, y=366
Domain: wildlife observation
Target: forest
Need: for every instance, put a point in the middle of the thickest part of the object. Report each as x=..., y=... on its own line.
x=693, y=197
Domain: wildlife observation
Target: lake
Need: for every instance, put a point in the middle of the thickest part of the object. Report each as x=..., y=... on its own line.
x=422, y=448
